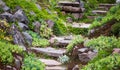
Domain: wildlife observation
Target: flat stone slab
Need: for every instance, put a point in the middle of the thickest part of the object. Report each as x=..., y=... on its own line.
x=99, y=12
x=81, y=25
x=50, y=62
x=56, y=68
x=68, y=3
x=50, y=51
x=107, y=5
x=61, y=41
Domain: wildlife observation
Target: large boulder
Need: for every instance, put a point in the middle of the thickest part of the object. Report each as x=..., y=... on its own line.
x=17, y=36
x=20, y=16
x=9, y=17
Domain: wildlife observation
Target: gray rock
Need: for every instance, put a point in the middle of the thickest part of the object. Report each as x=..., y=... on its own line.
x=81, y=50
x=21, y=17
x=50, y=23
x=3, y=6
x=28, y=38
x=32, y=13
x=50, y=51
x=9, y=17
x=17, y=64
x=86, y=54
x=116, y=50
x=17, y=36
x=22, y=26
x=76, y=67
x=69, y=19
x=38, y=6
x=76, y=15
x=37, y=26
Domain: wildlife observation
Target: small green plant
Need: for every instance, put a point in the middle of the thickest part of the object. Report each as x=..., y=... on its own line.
x=40, y=42
x=63, y=59
x=77, y=40
x=32, y=63
x=45, y=32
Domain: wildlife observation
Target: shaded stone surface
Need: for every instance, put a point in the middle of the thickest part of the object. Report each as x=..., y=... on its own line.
x=20, y=16
x=3, y=6
x=37, y=26
x=50, y=23
x=50, y=51
x=8, y=16
x=17, y=36
x=28, y=38
x=86, y=54
x=22, y=26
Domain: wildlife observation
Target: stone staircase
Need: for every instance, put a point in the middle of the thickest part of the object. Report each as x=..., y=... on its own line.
x=103, y=9
x=75, y=8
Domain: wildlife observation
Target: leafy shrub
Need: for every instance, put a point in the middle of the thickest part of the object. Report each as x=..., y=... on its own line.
x=40, y=42
x=77, y=40
x=7, y=50
x=115, y=30
x=102, y=43
x=77, y=31
x=37, y=41
x=31, y=63
x=45, y=32
x=109, y=63
x=59, y=27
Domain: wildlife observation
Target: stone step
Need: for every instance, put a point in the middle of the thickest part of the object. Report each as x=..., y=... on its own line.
x=50, y=62
x=61, y=41
x=68, y=3
x=56, y=68
x=107, y=5
x=49, y=51
x=80, y=25
x=100, y=12
x=102, y=8
x=70, y=9
x=91, y=17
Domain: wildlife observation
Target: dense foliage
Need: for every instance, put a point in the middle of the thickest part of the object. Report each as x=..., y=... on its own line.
x=31, y=63
x=77, y=40
x=7, y=50
x=109, y=63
